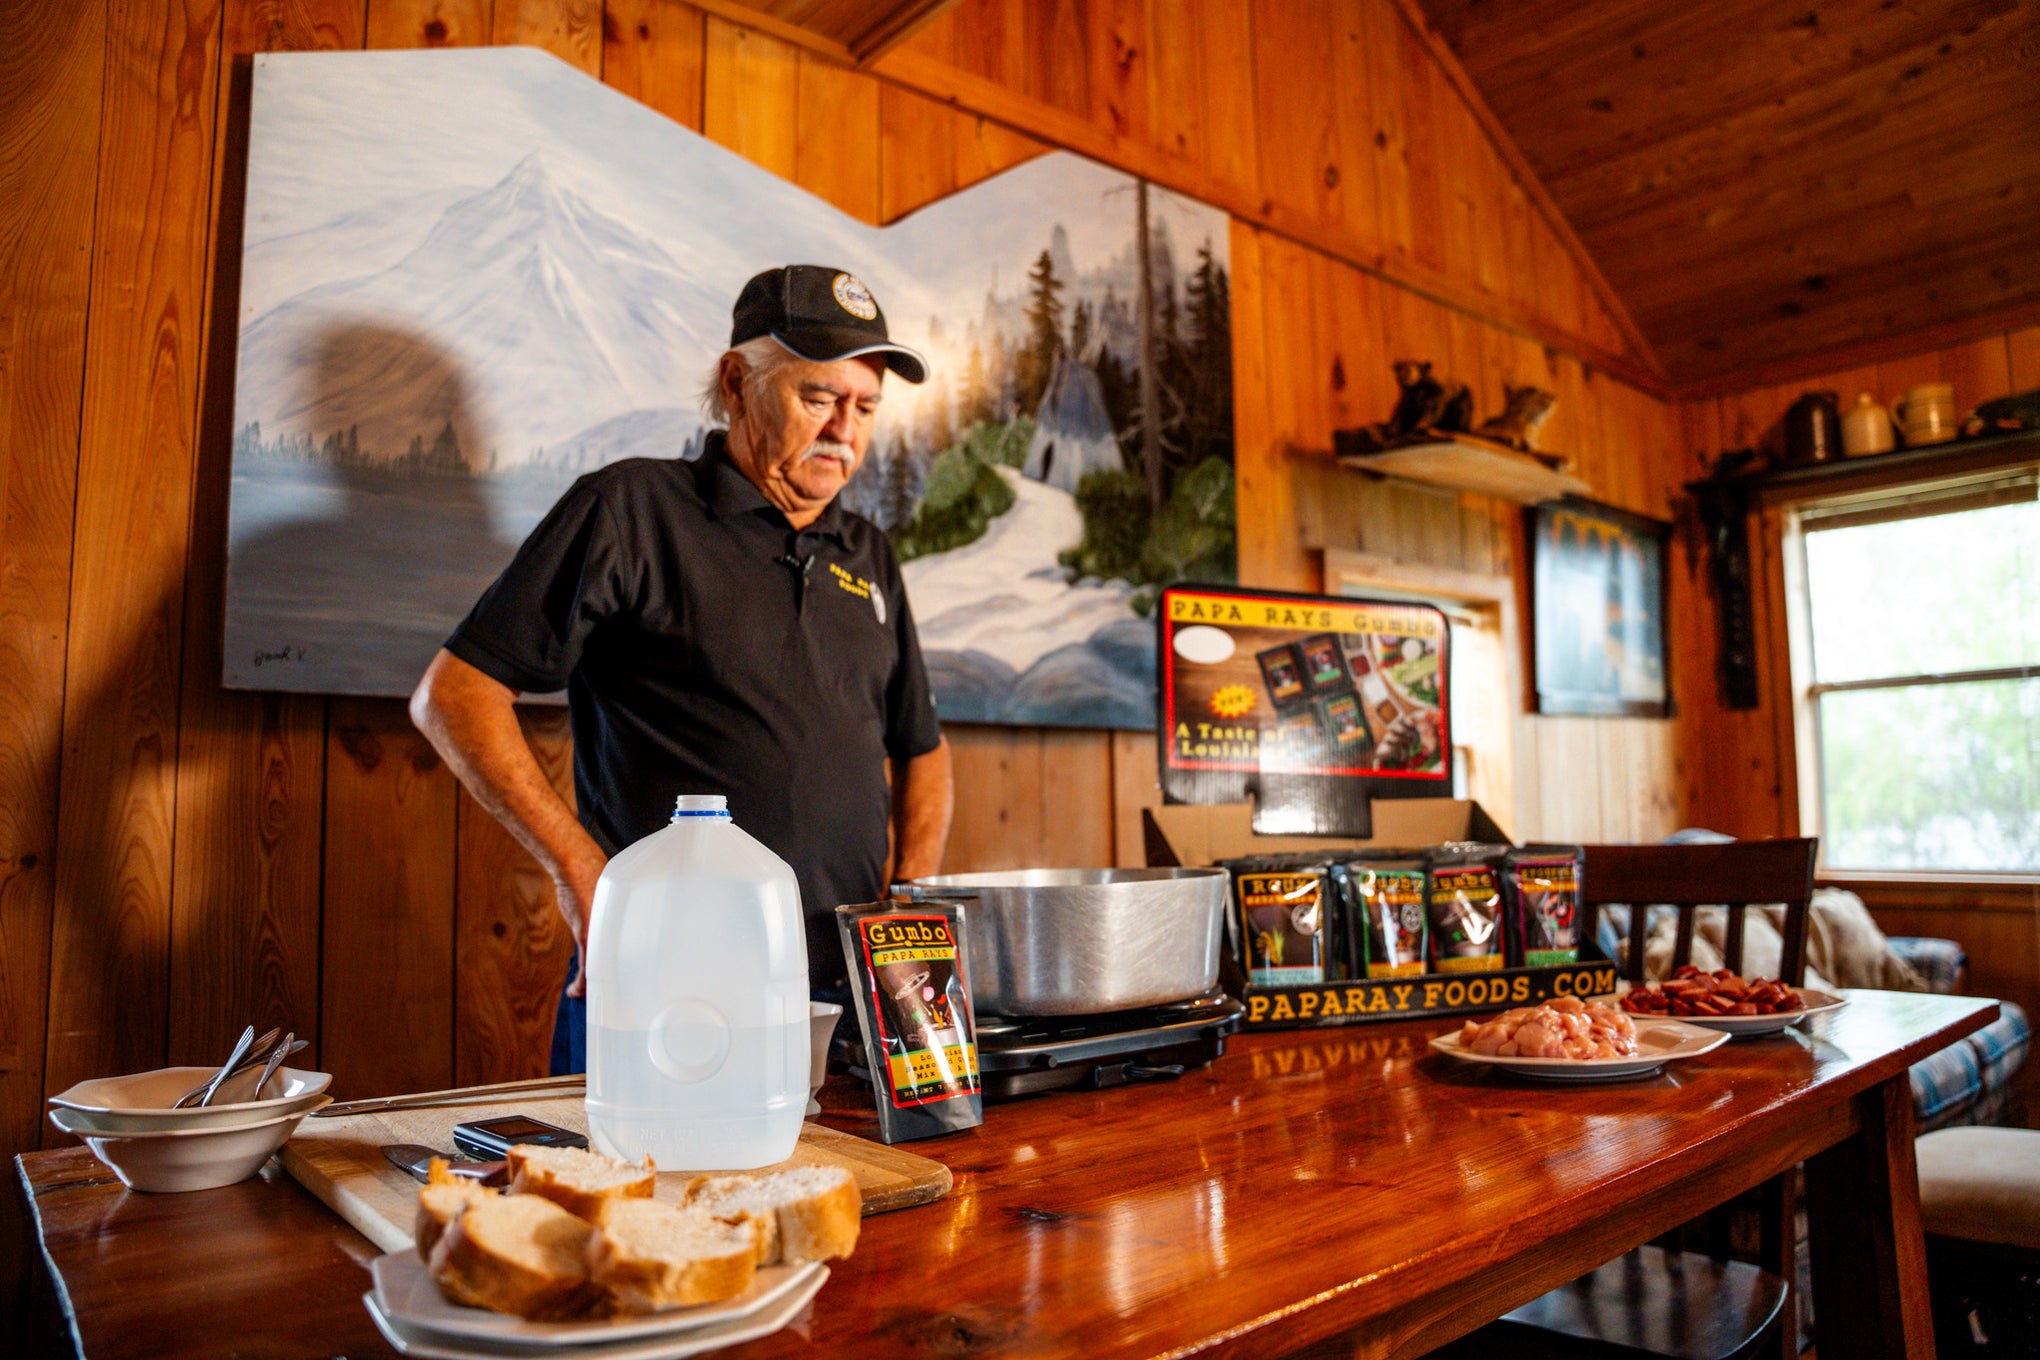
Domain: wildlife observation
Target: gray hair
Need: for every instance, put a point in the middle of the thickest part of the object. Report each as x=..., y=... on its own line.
x=763, y=357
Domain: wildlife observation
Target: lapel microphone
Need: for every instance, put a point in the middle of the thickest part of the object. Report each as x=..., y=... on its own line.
x=800, y=567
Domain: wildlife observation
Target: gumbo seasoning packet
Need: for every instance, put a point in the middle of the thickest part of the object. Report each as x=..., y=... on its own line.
x=1284, y=906
x=908, y=975
x=1466, y=908
x=1387, y=917
x=1541, y=884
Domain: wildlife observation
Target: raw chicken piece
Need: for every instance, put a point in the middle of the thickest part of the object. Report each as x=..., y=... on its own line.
x=1562, y=1028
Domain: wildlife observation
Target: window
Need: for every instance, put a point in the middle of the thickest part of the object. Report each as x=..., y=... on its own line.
x=1916, y=660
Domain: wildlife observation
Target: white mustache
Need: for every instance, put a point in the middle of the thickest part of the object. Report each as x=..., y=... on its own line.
x=829, y=448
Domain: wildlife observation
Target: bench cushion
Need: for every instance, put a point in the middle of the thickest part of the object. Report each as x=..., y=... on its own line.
x=1969, y=1081
x=1981, y=1185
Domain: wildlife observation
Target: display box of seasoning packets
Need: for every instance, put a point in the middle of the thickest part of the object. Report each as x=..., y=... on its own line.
x=1436, y=914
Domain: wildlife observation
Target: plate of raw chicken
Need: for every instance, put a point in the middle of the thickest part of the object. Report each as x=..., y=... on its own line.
x=1567, y=1039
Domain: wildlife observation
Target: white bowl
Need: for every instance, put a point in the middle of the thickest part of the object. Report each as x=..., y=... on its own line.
x=168, y=1160
x=141, y=1103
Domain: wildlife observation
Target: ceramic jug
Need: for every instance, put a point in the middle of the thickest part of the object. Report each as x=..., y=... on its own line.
x=1866, y=427
x=1926, y=414
x=1813, y=429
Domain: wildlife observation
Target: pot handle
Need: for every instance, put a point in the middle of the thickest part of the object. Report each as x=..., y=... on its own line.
x=923, y=892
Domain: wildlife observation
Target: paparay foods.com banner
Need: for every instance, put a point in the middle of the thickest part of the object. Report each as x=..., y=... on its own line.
x=1313, y=704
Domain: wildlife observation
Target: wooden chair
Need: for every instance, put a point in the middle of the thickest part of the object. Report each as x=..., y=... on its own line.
x=1654, y=1302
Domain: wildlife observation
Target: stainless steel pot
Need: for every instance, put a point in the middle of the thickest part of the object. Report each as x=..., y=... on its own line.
x=1085, y=941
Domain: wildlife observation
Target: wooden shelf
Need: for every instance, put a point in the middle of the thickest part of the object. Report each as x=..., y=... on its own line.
x=1868, y=472
x=1465, y=463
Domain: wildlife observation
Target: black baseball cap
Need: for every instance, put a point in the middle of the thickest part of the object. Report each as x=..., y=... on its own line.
x=821, y=314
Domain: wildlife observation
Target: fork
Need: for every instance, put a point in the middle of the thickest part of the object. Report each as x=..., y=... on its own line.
x=248, y=1050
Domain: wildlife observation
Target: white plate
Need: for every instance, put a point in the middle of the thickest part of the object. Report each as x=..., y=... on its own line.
x=141, y=1101
x=1657, y=1043
x=1747, y=1026
x=404, y=1289
x=784, y=1307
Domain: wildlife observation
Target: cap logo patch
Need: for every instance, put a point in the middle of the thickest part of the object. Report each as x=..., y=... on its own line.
x=854, y=297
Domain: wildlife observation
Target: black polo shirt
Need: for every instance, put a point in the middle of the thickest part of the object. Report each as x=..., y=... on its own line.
x=699, y=656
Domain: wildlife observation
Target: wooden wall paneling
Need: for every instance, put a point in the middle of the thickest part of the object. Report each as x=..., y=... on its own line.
x=1176, y=81
x=1979, y=370
x=917, y=152
x=428, y=23
x=1224, y=29
x=1270, y=549
x=1420, y=91
x=653, y=51
x=1136, y=785
x=52, y=56
x=2022, y=350
x=569, y=29
x=117, y=812
x=1254, y=432
x=1380, y=56
x=750, y=94
x=983, y=37
x=1356, y=197
x=387, y=988
x=1118, y=41
x=1030, y=798
x=1059, y=71
x=1298, y=137
x=1473, y=204
x=250, y=767
x=512, y=950
x=981, y=148
x=837, y=144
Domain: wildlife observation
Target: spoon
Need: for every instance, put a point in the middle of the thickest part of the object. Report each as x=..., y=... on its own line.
x=205, y=1093
x=275, y=1061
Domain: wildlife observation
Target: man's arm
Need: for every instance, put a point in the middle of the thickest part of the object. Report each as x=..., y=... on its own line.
x=924, y=799
x=471, y=720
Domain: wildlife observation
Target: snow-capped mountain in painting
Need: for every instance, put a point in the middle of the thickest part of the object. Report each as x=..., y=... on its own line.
x=522, y=311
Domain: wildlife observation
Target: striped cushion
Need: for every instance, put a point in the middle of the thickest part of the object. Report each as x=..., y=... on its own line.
x=1938, y=961
x=1967, y=1082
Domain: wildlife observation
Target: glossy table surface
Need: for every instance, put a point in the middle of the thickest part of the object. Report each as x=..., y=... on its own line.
x=1345, y=1191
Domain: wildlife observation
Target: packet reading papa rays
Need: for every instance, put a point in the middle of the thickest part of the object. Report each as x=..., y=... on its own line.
x=1466, y=908
x=1387, y=913
x=909, y=978
x=1541, y=884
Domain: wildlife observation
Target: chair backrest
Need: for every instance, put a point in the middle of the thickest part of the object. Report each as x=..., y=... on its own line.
x=1736, y=874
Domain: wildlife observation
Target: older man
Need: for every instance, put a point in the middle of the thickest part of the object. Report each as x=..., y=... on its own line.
x=721, y=626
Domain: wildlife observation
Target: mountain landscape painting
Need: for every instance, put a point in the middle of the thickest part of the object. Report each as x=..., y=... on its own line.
x=471, y=276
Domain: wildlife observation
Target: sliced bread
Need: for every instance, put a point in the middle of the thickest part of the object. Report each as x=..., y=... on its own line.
x=805, y=1213
x=440, y=1201
x=576, y=1180
x=519, y=1254
x=651, y=1256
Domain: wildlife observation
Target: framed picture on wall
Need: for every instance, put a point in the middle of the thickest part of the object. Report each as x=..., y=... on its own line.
x=1597, y=610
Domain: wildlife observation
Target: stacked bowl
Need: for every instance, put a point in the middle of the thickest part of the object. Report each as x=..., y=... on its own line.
x=131, y=1125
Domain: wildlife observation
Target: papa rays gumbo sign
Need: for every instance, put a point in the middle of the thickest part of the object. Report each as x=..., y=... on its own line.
x=472, y=276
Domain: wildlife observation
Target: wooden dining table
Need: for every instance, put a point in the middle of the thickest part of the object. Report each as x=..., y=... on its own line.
x=1325, y=1192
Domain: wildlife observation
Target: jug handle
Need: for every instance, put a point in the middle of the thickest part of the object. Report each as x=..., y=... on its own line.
x=1897, y=412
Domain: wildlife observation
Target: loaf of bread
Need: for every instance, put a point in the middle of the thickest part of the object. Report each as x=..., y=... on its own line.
x=440, y=1202
x=519, y=1254
x=805, y=1213
x=577, y=1180
x=649, y=1256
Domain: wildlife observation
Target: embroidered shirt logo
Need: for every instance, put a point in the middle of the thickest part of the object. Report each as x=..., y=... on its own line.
x=854, y=297
x=858, y=586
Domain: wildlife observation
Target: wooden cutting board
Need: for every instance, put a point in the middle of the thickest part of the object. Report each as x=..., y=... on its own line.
x=341, y=1161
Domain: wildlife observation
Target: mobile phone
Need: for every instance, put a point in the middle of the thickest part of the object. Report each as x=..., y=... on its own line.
x=491, y=1139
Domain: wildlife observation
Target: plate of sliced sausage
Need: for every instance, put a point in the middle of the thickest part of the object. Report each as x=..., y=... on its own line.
x=1721, y=1000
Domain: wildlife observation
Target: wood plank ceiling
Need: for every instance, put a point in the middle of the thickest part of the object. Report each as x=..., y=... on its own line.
x=1761, y=181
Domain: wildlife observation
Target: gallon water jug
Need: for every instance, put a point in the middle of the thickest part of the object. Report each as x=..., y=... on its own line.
x=697, y=998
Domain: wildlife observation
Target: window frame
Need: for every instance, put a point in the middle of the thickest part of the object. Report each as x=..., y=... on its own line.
x=1793, y=507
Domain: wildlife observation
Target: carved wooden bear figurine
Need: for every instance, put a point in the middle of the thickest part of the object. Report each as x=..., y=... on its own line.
x=1517, y=425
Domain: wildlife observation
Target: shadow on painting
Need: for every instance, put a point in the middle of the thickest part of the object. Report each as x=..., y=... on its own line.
x=385, y=532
